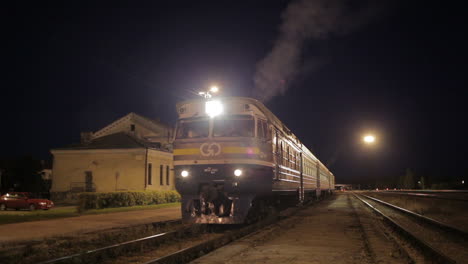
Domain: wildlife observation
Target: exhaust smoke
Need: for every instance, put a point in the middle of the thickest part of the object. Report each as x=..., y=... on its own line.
x=302, y=21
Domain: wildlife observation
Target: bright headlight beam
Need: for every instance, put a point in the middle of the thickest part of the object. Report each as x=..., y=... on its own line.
x=238, y=172
x=184, y=173
x=213, y=108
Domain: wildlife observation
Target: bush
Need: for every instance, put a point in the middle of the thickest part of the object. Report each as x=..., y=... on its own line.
x=123, y=199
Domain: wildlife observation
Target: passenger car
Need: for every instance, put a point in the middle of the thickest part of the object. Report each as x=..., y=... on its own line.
x=23, y=200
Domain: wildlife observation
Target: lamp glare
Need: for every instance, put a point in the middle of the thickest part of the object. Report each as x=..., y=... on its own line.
x=213, y=108
x=369, y=139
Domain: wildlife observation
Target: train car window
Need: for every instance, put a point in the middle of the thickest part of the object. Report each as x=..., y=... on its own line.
x=293, y=160
x=260, y=131
x=195, y=128
x=234, y=126
x=281, y=154
x=266, y=130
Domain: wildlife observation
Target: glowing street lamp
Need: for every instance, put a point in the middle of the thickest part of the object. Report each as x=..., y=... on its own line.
x=369, y=139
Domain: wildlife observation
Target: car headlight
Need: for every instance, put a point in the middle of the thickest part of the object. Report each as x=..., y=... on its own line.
x=42, y=203
x=238, y=172
x=184, y=173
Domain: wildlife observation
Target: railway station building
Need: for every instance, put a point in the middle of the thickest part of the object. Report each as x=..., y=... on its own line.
x=133, y=153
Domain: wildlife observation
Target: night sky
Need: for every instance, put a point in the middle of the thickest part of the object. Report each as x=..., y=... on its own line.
x=70, y=67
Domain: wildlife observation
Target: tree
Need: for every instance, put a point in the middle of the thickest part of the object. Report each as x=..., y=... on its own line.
x=409, y=180
x=422, y=183
x=22, y=174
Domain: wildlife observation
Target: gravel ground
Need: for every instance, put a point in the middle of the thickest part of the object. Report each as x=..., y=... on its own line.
x=447, y=211
x=437, y=238
x=334, y=231
x=39, y=230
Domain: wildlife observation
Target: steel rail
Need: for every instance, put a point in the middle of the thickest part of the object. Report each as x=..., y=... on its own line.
x=443, y=226
x=181, y=256
x=427, y=249
x=112, y=248
x=424, y=195
x=190, y=253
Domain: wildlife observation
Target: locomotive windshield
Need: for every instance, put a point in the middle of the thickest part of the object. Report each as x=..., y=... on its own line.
x=195, y=128
x=234, y=126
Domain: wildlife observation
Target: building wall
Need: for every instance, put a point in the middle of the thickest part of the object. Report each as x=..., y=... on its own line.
x=157, y=159
x=111, y=170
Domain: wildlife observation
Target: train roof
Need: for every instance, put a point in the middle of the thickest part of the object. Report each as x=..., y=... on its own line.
x=268, y=114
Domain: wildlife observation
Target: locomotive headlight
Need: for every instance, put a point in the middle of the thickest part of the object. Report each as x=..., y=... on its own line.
x=213, y=108
x=238, y=172
x=184, y=173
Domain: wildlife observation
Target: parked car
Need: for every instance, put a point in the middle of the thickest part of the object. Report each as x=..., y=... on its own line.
x=23, y=200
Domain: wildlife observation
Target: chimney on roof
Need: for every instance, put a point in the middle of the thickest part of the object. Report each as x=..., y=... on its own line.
x=86, y=137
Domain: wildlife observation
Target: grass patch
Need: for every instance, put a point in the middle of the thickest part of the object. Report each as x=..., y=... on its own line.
x=8, y=217
x=131, y=208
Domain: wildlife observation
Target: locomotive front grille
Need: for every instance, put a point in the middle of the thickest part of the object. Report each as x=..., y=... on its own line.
x=214, y=200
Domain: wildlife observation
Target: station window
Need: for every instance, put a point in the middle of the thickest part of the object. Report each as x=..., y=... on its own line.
x=150, y=174
x=161, y=179
x=167, y=175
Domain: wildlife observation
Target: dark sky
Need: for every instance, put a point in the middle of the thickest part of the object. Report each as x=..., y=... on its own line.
x=70, y=67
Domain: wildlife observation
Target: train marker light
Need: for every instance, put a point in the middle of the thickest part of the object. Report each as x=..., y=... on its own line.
x=213, y=108
x=238, y=172
x=184, y=173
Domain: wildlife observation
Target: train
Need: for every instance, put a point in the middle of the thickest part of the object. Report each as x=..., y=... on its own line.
x=235, y=161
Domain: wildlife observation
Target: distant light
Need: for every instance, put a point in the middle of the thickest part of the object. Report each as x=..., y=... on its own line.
x=213, y=108
x=184, y=173
x=463, y=181
x=369, y=139
x=238, y=172
x=214, y=89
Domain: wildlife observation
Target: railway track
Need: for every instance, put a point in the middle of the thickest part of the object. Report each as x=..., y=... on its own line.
x=438, y=242
x=113, y=250
x=434, y=195
x=177, y=246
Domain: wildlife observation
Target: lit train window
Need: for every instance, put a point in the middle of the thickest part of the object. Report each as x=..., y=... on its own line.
x=234, y=126
x=195, y=128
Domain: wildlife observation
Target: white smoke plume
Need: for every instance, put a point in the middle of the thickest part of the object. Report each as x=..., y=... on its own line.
x=305, y=20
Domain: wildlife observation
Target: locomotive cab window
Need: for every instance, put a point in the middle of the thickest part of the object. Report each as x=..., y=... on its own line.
x=194, y=128
x=234, y=126
x=262, y=129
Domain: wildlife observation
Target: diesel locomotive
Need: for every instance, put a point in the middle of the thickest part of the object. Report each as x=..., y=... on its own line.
x=234, y=159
